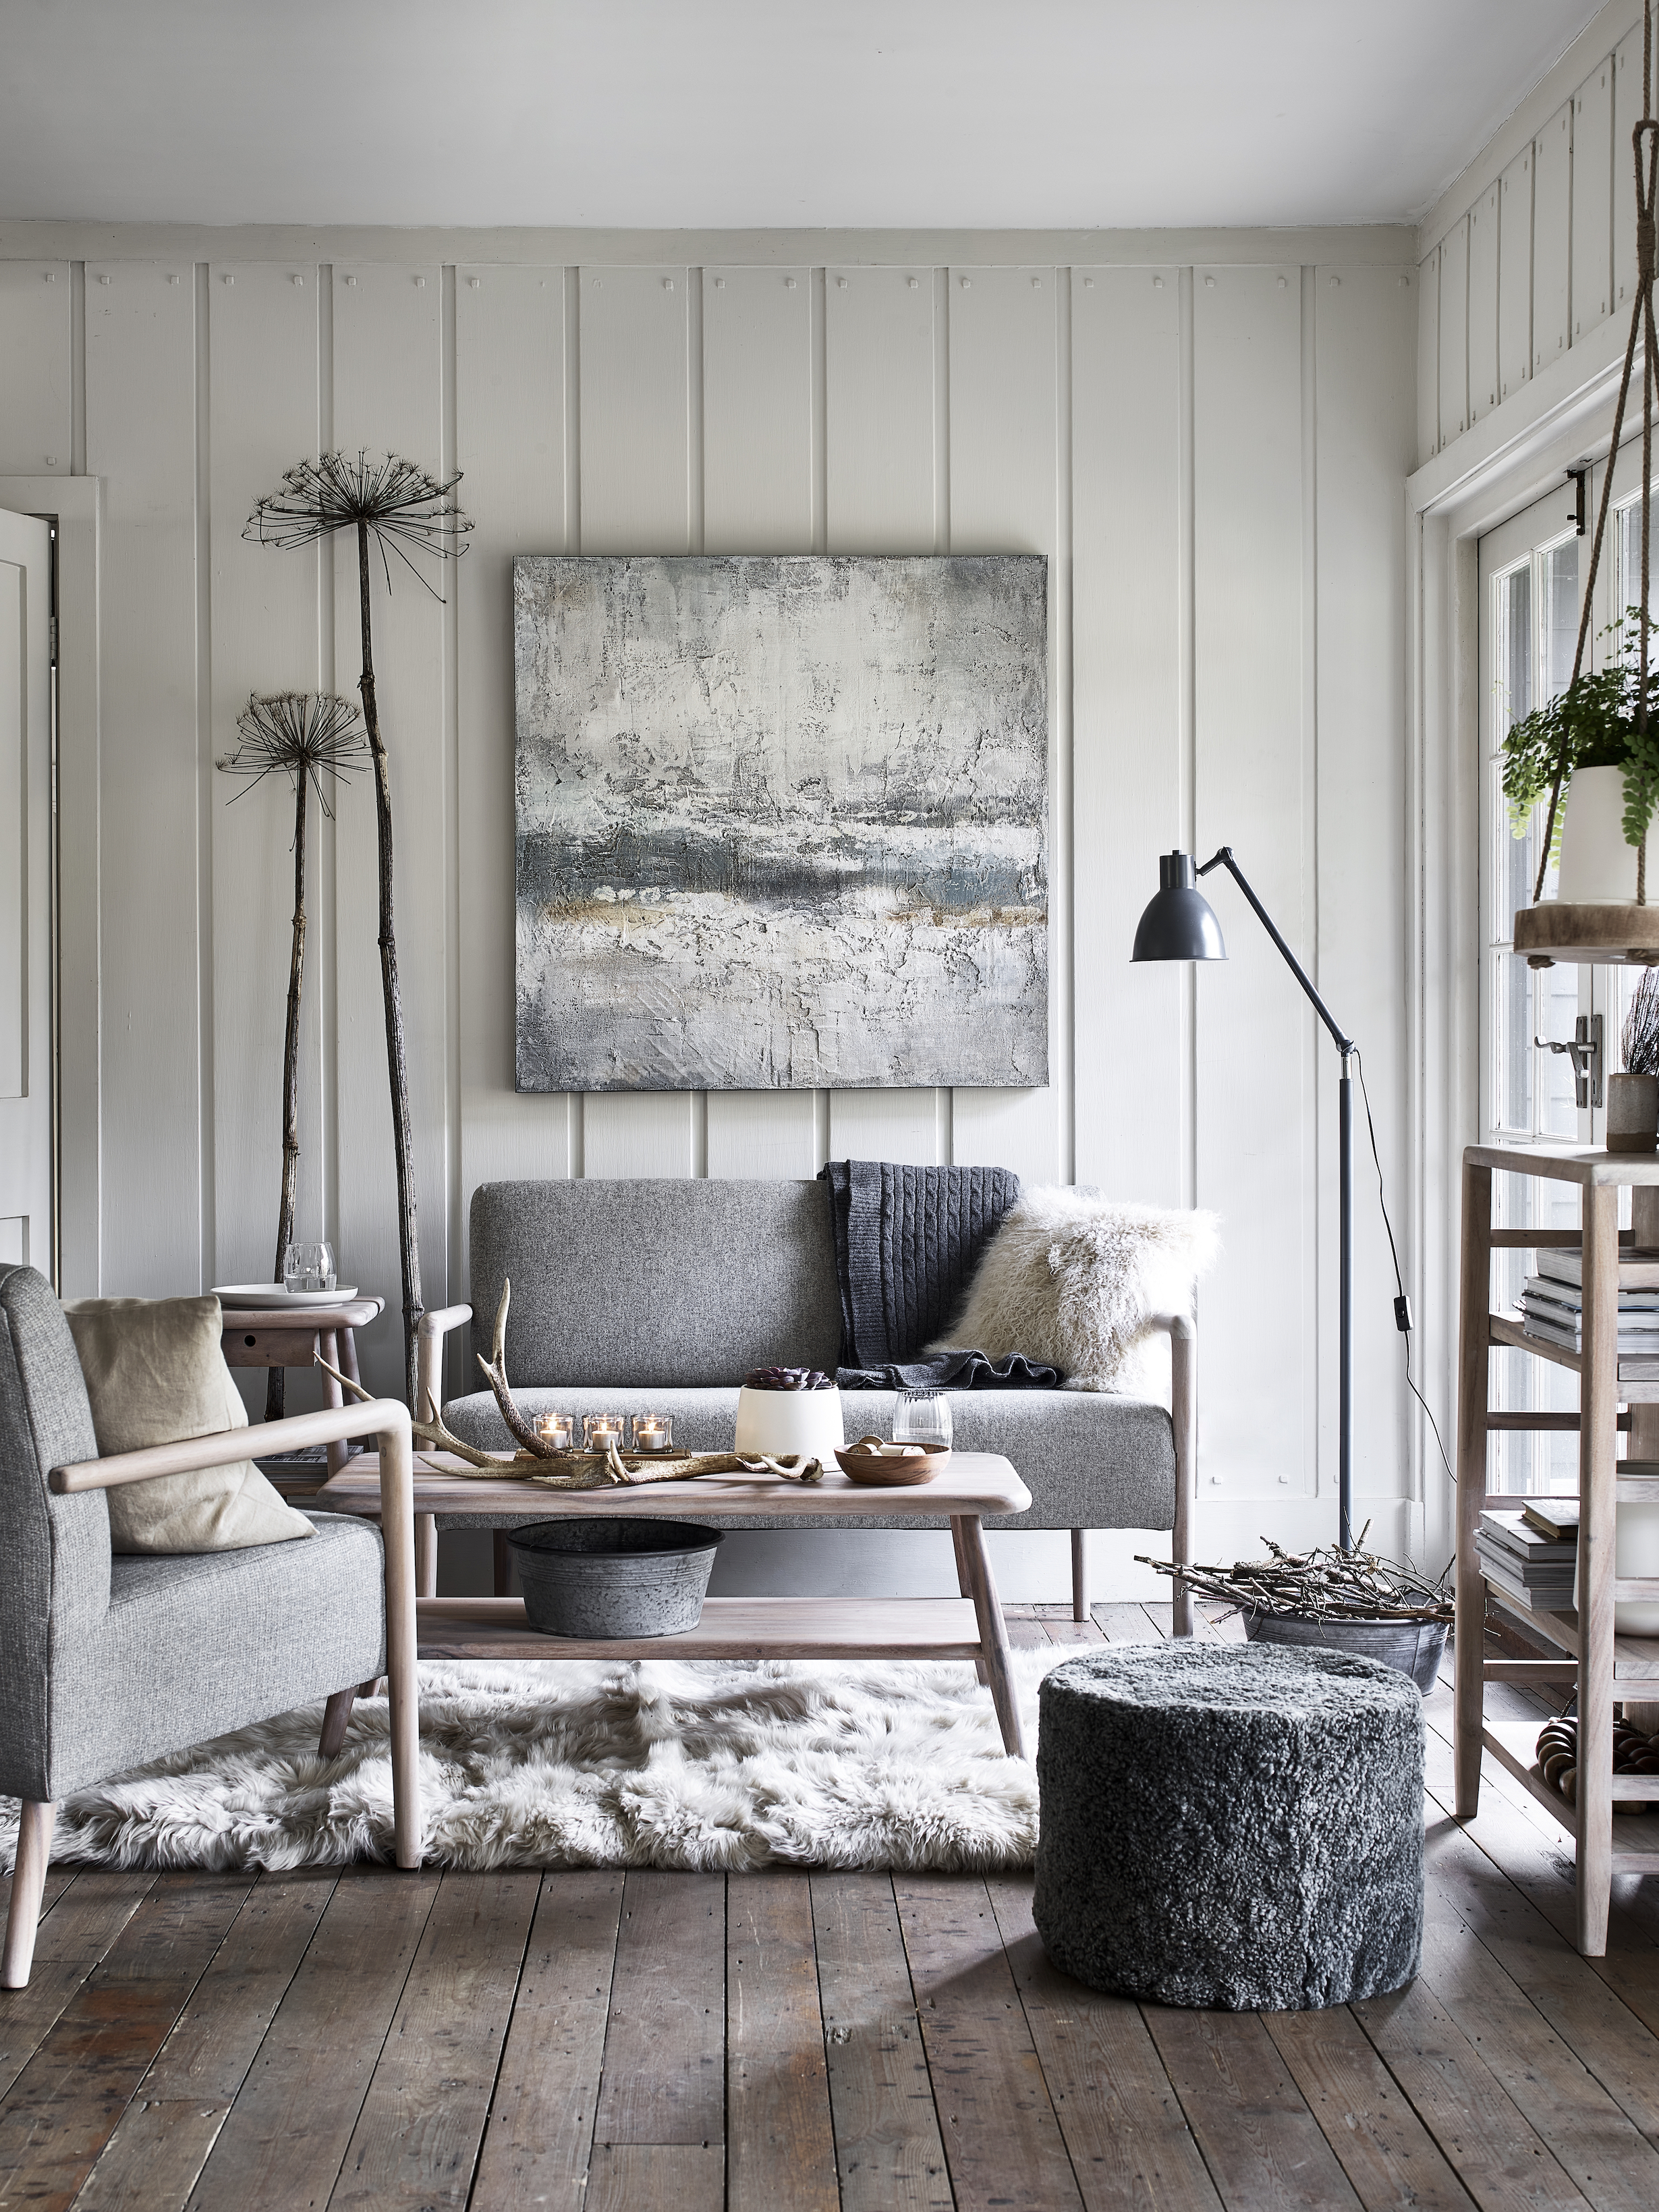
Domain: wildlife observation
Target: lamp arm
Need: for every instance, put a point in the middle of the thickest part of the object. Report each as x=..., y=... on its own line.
x=1224, y=858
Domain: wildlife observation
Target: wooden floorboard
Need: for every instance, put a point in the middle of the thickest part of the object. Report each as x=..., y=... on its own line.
x=540, y=2134
x=783, y=2041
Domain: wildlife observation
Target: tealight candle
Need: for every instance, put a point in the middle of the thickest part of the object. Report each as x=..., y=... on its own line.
x=652, y=1432
x=600, y=1429
x=558, y=1430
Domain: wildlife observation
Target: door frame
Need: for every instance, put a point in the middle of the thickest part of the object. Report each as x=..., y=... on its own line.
x=75, y=502
x=1512, y=457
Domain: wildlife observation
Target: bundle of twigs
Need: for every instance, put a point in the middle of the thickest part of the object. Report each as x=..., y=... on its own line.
x=1323, y=1584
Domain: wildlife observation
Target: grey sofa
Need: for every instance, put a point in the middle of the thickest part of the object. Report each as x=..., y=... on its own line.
x=108, y=1661
x=630, y=1296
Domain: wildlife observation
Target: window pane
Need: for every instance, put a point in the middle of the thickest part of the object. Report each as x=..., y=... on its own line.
x=1561, y=612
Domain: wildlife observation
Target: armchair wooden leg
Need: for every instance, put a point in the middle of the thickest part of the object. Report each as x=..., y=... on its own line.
x=29, y=1879
x=1080, y=1574
x=336, y=1716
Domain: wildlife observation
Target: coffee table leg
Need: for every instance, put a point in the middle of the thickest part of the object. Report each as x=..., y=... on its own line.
x=992, y=1629
x=965, y=1584
x=426, y=1555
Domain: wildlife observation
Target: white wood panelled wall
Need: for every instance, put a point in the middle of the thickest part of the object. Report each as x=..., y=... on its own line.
x=1208, y=437
x=1534, y=249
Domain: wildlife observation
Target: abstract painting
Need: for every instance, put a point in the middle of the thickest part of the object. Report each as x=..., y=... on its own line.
x=781, y=823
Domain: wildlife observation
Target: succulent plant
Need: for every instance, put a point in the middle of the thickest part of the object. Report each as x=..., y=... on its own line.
x=788, y=1378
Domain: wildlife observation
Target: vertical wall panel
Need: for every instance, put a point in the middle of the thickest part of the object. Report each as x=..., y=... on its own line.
x=757, y=410
x=1592, y=210
x=635, y=479
x=35, y=314
x=1551, y=239
x=1363, y=415
x=1626, y=113
x=388, y=397
x=879, y=393
x=757, y=466
x=141, y=439
x=1130, y=791
x=1255, y=1037
x=1514, y=275
x=1483, y=305
x=878, y=399
x=509, y=444
x=1429, y=438
x=1455, y=331
x=635, y=498
x=262, y=415
x=1004, y=487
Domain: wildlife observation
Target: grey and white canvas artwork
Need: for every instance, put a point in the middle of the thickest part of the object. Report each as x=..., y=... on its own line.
x=781, y=823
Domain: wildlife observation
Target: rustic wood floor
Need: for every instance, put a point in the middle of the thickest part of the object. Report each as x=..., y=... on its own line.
x=795, y=2043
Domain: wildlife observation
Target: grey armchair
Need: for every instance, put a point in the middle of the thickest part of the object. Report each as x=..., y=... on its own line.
x=106, y=1662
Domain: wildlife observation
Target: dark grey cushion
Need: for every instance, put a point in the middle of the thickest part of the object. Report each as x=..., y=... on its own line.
x=1089, y=1461
x=691, y=1282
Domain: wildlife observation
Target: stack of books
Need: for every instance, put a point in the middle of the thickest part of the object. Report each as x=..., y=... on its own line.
x=1552, y=1307
x=1532, y=1564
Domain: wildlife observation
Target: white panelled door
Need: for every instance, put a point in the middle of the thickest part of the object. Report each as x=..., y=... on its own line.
x=25, y=893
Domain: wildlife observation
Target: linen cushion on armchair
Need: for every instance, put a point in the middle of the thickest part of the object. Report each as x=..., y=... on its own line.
x=155, y=1374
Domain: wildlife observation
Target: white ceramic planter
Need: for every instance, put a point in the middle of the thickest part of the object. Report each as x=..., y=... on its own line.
x=1632, y=1113
x=778, y=1422
x=1598, y=868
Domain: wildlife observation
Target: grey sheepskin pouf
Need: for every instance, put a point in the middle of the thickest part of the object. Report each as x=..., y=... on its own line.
x=1231, y=1825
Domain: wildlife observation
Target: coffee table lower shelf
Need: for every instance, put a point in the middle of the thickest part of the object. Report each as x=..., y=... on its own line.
x=731, y=1628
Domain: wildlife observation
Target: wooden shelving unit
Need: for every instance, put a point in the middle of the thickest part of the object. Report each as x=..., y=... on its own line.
x=1604, y=1667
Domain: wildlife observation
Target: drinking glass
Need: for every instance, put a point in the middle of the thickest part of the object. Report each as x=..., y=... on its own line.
x=923, y=1416
x=308, y=1267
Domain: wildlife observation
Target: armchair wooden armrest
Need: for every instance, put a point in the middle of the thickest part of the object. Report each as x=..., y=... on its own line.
x=430, y=1357
x=389, y=1421
x=1184, y=1418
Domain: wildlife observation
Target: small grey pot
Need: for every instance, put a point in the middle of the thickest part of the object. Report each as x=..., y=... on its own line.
x=1632, y=1113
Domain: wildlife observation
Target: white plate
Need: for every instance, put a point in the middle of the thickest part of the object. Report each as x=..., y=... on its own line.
x=273, y=1294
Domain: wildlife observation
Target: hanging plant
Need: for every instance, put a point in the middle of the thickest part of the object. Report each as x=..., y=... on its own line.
x=1596, y=722
x=400, y=506
x=312, y=739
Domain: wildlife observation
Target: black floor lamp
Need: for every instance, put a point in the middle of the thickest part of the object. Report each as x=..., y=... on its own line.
x=1180, y=924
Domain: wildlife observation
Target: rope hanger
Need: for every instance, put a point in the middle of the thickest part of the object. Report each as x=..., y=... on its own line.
x=1641, y=324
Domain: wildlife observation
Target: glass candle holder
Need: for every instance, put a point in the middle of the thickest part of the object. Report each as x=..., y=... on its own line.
x=558, y=1430
x=923, y=1416
x=600, y=1429
x=652, y=1432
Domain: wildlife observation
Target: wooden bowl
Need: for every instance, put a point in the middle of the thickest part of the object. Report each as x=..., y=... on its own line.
x=879, y=1471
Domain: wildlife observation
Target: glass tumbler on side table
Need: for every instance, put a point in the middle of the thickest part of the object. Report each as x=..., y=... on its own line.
x=923, y=1416
x=307, y=1267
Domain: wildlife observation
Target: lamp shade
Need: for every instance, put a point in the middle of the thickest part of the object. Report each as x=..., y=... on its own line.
x=1179, y=924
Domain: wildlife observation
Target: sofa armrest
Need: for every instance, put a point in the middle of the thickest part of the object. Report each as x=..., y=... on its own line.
x=431, y=1332
x=1183, y=1419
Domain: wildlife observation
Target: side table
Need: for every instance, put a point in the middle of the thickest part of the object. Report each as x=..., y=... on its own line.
x=1603, y=1665
x=296, y=1336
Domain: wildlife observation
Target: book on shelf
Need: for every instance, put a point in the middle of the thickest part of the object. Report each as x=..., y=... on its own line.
x=1639, y=1342
x=1639, y=1267
x=1551, y=1594
x=1555, y=1518
x=1528, y=1546
x=1544, y=1292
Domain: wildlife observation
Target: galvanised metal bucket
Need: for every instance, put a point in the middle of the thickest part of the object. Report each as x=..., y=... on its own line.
x=1415, y=1647
x=611, y=1578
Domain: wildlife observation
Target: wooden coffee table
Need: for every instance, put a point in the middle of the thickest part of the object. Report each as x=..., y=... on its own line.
x=971, y=1485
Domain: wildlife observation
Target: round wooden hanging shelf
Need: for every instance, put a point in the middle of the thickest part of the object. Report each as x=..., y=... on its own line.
x=1619, y=935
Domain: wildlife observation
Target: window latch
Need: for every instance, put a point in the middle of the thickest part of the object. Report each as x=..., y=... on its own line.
x=1585, y=1052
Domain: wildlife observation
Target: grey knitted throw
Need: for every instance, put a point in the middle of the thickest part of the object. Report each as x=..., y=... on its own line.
x=908, y=1241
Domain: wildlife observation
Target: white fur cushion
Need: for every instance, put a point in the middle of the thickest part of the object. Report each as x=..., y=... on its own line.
x=1074, y=1277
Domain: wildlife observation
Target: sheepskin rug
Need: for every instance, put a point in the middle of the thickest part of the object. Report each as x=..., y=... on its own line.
x=1074, y=1278
x=559, y=1764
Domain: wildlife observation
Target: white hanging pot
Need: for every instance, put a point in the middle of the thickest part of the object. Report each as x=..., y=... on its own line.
x=1598, y=868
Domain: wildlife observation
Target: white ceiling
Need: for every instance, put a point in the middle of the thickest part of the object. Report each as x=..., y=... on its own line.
x=757, y=113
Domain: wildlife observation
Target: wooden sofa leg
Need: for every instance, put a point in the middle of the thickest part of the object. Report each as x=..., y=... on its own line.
x=29, y=1879
x=1080, y=1574
x=336, y=1716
